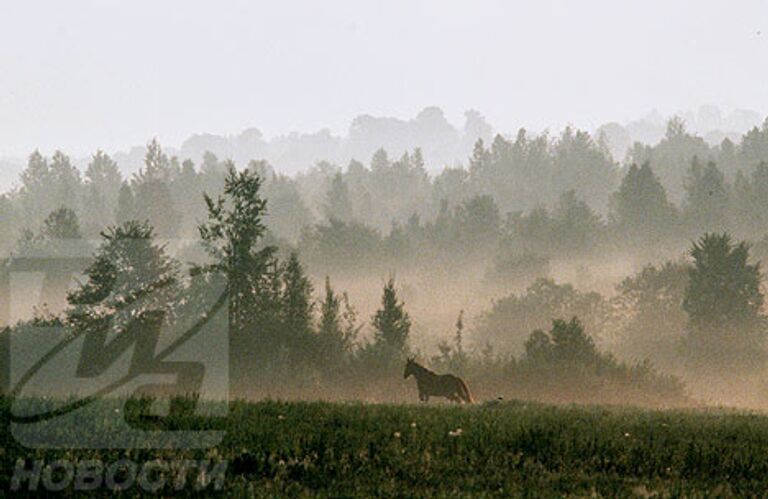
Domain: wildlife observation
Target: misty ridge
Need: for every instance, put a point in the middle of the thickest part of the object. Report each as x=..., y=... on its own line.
x=442, y=143
x=536, y=263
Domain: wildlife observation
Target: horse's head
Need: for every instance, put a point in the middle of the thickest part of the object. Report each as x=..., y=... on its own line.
x=410, y=366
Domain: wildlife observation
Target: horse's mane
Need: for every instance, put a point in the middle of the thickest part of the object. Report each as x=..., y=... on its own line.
x=421, y=368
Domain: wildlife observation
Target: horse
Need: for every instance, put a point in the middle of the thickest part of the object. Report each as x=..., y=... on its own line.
x=438, y=385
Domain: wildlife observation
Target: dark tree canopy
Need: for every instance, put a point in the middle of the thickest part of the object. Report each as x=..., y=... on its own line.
x=392, y=325
x=723, y=298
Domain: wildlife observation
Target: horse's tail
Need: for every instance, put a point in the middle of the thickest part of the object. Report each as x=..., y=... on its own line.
x=464, y=391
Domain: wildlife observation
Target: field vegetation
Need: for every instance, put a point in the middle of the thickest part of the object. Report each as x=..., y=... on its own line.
x=275, y=448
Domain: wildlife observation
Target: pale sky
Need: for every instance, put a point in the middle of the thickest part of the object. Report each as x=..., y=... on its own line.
x=78, y=75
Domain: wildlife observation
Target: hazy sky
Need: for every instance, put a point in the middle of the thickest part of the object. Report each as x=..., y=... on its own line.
x=78, y=74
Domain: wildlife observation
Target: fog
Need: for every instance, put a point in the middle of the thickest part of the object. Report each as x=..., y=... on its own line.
x=542, y=198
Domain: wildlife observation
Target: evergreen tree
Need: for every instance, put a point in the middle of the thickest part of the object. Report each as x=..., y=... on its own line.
x=66, y=181
x=745, y=220
x=380, y=161
x=749, y=204
x=297, y=307
x=479, y=165
x=478, y=222
x=36, y=176
x=61, y=224
x=130, y=278
x=576, y=225
x=126, y=205
x=338, y=203
x=287, y=212
x=157, y=166
x=336, y=330
x=392, y=325
x=153, y=199
x=640, y=207
x=47, y=186
x=706, y=200
x=187, y=190
x=103, y=182
x=672, y=156
x=723, y=301
x=453, y=357
x=417, y=161
x=580, y=164
x=754, y=146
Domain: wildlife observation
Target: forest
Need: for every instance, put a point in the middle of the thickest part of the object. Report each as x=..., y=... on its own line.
x=542, y=268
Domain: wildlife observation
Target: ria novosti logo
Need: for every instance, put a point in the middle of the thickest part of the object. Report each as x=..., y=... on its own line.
x=61, y=380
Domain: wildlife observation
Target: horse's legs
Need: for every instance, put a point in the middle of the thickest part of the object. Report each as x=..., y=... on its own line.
x=460, y=397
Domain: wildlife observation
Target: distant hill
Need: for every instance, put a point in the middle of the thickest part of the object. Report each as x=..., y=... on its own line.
x=442, y=143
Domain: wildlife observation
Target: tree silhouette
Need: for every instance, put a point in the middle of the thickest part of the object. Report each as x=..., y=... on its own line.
x=103, y=181
x=723, y=302
x=153, y=199
x=392, y=325
x=706, y=197
x=336, y=331
x=61, y=224
x=131, y=276
x=233, y=238
x=640, y=207
x=296, y=308
x=338, y=204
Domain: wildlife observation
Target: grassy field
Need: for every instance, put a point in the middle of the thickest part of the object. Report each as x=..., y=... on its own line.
x=514, y=448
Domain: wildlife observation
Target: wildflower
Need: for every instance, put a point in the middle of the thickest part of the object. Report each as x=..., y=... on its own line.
x=413, y=424
x=396, y=434
x=455, y=433
x=280, y=417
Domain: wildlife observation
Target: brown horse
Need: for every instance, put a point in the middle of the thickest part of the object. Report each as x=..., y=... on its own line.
x=438, y=385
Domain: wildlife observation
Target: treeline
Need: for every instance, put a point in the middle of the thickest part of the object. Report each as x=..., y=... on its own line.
x=692, y=317
x=523, y=200
x=519, y=205
x=284, y=338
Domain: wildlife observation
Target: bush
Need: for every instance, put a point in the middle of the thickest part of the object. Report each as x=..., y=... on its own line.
x=565, y=360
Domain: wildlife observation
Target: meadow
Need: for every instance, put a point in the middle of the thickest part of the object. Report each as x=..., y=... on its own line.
x=276, y=448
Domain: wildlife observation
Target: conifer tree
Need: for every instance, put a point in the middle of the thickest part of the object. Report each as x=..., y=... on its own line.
x=706, y=197
x=640, y=207
x=336, y=330
x=392, y=325
x=131, y=276
x=338, y=203
x=153, y=199
x=103, y=183
x=724, y=301
x=126, y=205
x=296, y=306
